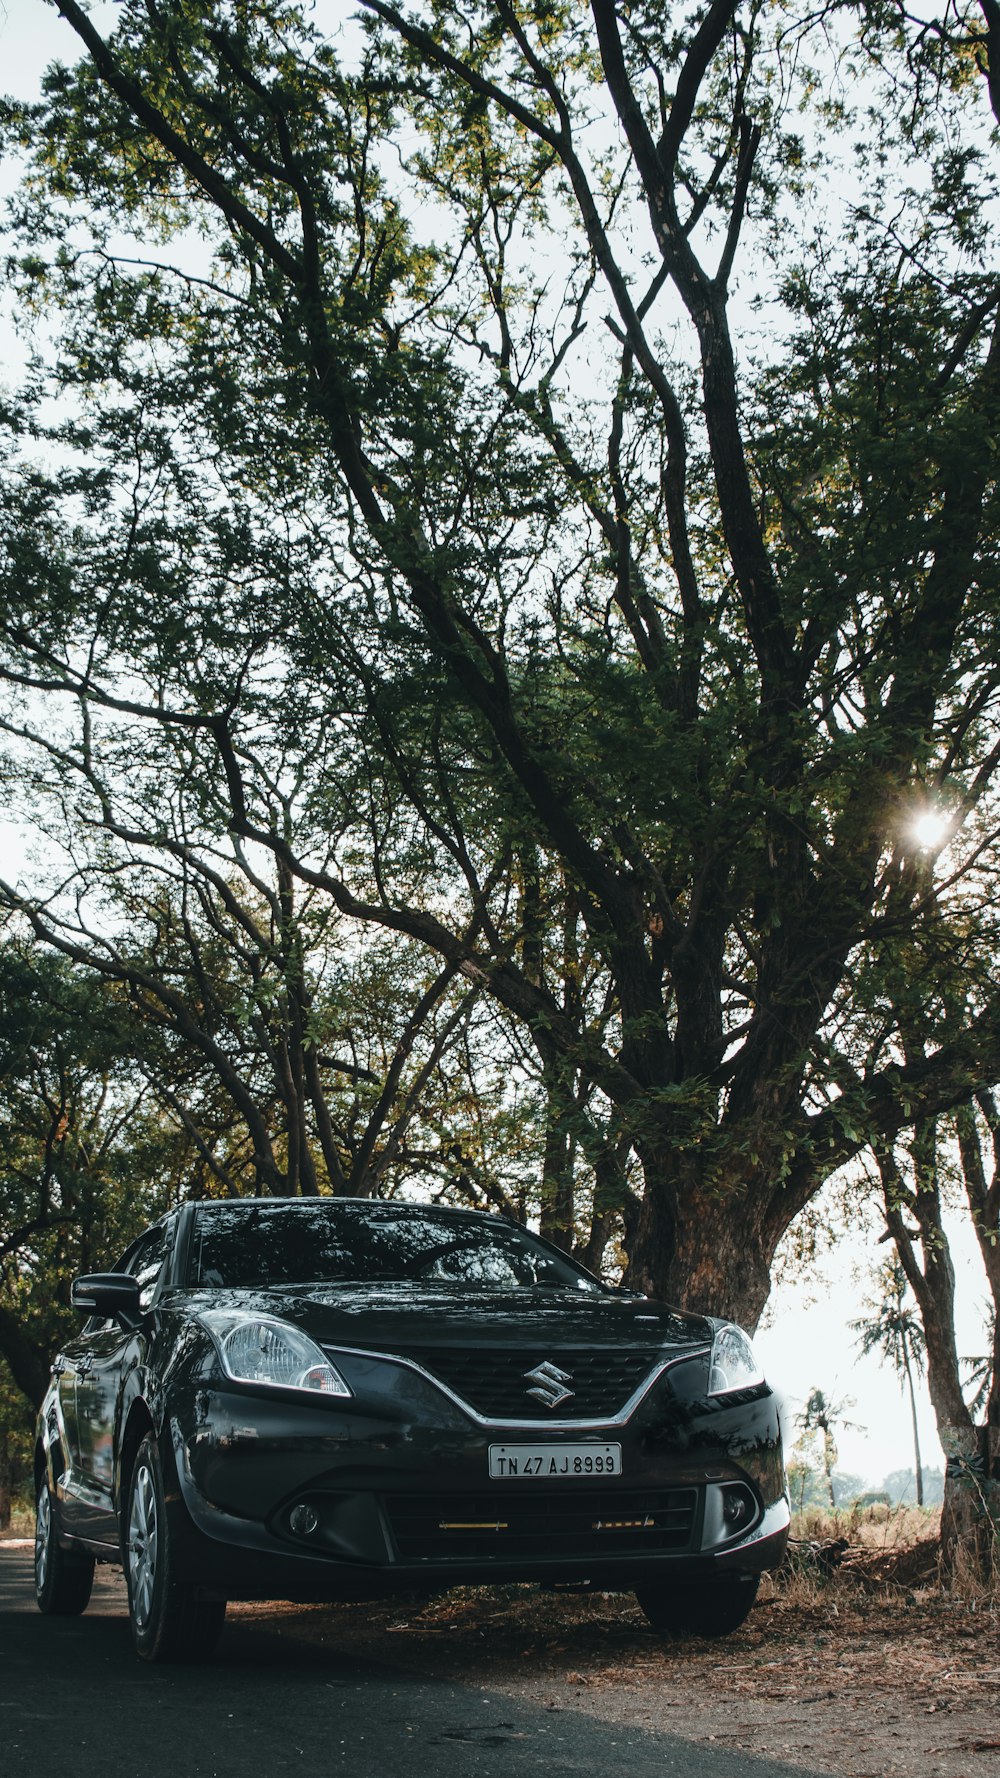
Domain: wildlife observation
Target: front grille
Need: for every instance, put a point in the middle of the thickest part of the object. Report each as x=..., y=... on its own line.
x=496, y=1384
x=503, y=1527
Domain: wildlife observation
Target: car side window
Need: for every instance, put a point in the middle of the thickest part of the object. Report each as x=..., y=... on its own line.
x=145, y=1262
x=125, y=1263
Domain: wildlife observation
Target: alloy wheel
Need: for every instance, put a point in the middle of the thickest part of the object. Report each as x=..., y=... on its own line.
x=142, y=1540
x=43, y=1537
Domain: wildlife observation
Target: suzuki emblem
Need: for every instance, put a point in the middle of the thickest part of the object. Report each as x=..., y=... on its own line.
x=550, y=1384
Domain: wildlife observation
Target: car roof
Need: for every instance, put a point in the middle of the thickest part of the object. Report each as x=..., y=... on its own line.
x=381, y=1206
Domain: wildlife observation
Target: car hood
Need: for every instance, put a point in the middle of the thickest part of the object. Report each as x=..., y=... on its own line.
x=407, y=1317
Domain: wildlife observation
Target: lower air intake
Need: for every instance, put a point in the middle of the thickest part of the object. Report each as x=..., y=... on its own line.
x=494, y=1527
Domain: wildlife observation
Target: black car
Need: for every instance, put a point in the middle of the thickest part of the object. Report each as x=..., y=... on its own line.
x=338, y=1399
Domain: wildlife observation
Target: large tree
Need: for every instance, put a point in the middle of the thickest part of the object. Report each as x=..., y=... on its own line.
x=446, y=445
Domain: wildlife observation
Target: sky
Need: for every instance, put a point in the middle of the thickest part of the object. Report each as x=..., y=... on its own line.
x=805, y=1340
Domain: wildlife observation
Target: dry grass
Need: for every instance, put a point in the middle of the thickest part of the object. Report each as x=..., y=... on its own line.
x=871, y=1527
x=22, y=1519
x=841, y=1557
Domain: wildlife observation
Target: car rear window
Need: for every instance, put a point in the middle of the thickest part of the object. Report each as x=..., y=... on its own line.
x=332, y=1243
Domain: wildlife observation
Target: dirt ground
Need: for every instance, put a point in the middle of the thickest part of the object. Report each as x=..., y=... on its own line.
x=848, y=1675
x=870, y=1672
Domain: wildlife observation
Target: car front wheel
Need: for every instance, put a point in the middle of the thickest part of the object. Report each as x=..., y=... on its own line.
x=714, y=1609
x=63, y=1578
x=170, y=1622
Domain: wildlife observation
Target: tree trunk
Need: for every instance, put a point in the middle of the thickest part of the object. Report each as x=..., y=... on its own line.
x=696, y=1245
x=557, y=1221
x=965, y=1521
x=828, y=1462
x=916, y=1435
x=969, y=1515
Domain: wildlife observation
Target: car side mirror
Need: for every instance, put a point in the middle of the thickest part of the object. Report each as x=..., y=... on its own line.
x=107, y=1294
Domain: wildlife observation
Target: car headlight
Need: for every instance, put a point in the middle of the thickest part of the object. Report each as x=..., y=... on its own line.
x=734, y=1362
x=259, y=1349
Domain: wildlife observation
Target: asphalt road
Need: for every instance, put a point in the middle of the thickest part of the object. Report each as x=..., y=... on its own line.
x=74, y=1699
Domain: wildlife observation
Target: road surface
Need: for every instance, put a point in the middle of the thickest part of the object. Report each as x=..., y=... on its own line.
x=74, y=1700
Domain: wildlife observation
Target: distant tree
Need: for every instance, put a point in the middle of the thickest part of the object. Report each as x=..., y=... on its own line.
x=894, y=1330
x=901, y=1487
x=806, y=1485
x=847, y=1488
x=818, y=1421
x=809, y=1486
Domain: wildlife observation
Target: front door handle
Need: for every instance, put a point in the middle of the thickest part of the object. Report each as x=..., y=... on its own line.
x=84, y=1365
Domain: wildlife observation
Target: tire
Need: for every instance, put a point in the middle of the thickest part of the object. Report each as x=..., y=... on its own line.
x=63, y=1578
x=714, y=1609
x=169, y=1621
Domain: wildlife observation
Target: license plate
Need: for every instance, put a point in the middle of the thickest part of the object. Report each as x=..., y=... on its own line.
x=560, y=1462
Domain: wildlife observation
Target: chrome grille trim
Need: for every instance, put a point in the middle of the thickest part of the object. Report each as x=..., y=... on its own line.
x=534, y=1426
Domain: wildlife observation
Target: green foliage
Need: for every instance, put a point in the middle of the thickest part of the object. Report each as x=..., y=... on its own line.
x=16, y=1440
x=809, y=1488
x=894, y=1328
x=418, y=508
x=85, y=1158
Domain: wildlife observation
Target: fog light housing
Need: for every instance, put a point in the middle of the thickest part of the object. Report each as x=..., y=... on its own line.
x=737, y=1509
x=731, y=1511
x=303, y=1520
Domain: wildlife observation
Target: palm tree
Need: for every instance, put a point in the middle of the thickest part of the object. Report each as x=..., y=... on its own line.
x=894, y=1330
x=821, y=1416
x=979, y=1370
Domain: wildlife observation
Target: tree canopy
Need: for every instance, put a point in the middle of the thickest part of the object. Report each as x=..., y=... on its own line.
x=530, y=469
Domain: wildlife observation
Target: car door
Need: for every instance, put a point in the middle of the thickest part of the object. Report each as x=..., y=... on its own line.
x=108, y=1352
x=67, y=1439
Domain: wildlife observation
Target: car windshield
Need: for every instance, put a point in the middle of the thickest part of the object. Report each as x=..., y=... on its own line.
x=335, y=1243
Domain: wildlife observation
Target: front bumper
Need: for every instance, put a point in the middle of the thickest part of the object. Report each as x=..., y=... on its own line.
x=341, y=1501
